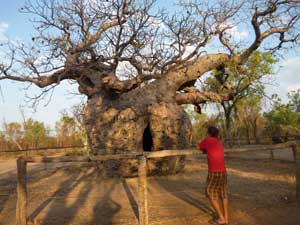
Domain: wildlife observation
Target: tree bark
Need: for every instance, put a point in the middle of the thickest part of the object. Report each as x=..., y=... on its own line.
x=116, y=124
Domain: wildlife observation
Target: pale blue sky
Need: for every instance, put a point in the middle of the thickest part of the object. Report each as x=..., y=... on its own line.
x=17, y=26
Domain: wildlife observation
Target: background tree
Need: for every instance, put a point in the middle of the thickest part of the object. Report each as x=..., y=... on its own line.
x=67, y=132
x=77, y=112
x=3, y=144
x=14, y=133
x=137, y=64
x=34, y=133
x=250, y=117
x=294, y=100
x=284, y=119
x=246, y=80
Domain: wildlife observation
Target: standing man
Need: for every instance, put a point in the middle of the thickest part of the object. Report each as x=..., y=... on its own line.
x=216, y=184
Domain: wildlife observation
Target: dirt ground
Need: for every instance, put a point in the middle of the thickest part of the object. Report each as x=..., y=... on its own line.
x=261, y=192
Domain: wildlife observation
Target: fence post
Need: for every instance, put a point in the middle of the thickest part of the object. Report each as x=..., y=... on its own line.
x=142, y=188
x=21, y=209
x=296, y=152
x=298, y=181
x=271, y=155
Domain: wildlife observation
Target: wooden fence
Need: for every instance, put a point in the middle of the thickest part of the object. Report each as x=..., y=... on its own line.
x=21, y=208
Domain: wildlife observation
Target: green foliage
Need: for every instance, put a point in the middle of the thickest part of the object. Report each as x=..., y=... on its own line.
x=34, y=134
x=283, y=115
x=284, y=118
x=249, y=122
x=200, y=123
x=294, y=103
x=250, y=105
x=68, y=131
x=245, y=80
x=34, y=131
x=66, y=125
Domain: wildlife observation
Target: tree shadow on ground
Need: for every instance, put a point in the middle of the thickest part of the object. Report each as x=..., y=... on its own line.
x=7, y=188
x=65, y=187
x=8, y=182
x=60, y=208
x=63, y=209
x=133, y=203
x=105, y=209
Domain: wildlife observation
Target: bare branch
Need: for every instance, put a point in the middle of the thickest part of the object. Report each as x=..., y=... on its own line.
x=267, y=18
x=42, y=81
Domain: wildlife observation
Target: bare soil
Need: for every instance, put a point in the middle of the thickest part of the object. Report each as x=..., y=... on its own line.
x=261, y=192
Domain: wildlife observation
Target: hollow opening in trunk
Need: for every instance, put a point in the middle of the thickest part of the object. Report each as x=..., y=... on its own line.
x=147, y=139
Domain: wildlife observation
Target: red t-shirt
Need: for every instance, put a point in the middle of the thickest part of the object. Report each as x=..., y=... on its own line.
x=215, y=153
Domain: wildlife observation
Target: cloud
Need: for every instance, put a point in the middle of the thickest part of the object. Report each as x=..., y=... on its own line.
x=234, y=32
x=294, y=87
x=289, y=74
x=3, y=28
x=287, y=78
x=238, y=34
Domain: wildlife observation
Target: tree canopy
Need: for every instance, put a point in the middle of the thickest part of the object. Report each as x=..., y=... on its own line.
x=120, y=45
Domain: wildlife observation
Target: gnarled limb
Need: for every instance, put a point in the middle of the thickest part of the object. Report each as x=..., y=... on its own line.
x=196, y=97
x=202, y=65
x=111, y=82
x=40, y=81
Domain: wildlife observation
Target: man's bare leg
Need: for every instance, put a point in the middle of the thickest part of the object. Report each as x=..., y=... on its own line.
x=217, y=207
x=225, y=209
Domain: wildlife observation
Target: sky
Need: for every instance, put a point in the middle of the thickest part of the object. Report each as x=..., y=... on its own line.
x=13, y=101
x=16, y=26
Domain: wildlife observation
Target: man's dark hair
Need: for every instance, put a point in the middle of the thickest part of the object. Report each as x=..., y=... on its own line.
x=213, y=131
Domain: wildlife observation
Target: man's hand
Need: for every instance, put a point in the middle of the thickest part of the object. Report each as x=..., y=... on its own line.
x=203, y=151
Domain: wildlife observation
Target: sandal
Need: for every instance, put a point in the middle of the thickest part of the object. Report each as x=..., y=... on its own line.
x=215, y=221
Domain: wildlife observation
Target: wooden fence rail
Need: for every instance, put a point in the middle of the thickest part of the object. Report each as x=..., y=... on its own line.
x=21, y=208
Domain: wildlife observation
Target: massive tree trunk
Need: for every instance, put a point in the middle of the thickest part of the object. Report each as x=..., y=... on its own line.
x=125, y=116
x=137, y=121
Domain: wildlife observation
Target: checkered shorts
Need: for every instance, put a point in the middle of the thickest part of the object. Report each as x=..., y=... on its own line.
x=216, y=185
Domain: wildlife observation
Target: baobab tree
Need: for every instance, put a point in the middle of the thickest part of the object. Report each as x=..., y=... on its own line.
x=137, y=63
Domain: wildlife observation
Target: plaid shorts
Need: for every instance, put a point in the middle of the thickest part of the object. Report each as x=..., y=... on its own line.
x=216, y=185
